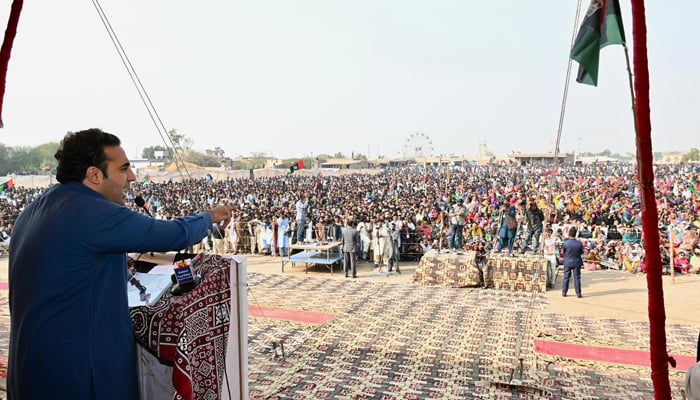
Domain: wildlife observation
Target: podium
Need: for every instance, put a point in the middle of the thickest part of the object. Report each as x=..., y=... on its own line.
x=194, y=346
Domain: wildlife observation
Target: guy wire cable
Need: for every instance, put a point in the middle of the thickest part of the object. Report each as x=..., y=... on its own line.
x=143, y=94
x=566, y=89
x=134, y=76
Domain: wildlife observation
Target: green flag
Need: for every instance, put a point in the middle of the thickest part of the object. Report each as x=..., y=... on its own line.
x=601, y=26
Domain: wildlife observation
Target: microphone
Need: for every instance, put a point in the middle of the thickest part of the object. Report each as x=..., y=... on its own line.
x=184, y=277
x=141, y=203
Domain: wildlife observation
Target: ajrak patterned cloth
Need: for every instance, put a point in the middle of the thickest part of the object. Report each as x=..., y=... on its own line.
x=448, y=269
x=191, y=331
x=526, y=273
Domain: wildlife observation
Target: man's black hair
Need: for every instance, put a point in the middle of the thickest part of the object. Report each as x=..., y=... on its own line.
x=79, y=151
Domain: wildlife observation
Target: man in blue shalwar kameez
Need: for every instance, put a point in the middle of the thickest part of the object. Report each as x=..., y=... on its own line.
x=71, y=334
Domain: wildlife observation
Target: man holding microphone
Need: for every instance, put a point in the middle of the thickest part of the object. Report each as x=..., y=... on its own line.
x=70, y=323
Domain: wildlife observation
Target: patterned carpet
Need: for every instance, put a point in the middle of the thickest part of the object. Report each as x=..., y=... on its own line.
x=407, y=341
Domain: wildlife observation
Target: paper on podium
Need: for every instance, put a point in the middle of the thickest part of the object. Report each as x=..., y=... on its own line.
x=165, y=269
x=154, y=258
x=146, y=289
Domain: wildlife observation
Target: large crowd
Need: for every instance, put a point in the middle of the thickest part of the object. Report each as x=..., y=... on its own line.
x=405, y=212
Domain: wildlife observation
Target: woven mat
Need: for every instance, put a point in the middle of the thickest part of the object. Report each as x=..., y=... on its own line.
x=632, y=335
x=407, y=341
x=615, y=333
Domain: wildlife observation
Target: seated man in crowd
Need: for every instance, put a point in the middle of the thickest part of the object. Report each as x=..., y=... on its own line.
x=613, y=233
x=631, y=236
x=584, y=232
x=611, y=257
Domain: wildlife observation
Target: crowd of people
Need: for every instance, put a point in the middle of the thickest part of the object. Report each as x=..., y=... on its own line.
x=403, y=213
x=67, y=243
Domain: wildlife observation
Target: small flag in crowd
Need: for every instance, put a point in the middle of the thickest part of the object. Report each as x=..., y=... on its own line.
x=587, y=196
x=296, y=166
x=7, y=185
x=601, y=26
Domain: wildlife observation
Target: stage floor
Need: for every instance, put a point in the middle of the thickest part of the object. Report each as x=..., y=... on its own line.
x=437, y=342
x=399, y=341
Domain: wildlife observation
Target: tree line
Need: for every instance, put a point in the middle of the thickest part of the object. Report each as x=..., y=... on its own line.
x=38, y=160
x=28, y=160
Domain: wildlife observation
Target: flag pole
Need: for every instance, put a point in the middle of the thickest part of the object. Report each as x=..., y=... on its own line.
x=657, y=315
x=566, y=93
x=630, y=77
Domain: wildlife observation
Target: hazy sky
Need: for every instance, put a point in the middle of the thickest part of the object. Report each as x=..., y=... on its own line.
x=294, y=78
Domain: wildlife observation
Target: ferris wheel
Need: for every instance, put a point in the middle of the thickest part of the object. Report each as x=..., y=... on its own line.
x=418, y=145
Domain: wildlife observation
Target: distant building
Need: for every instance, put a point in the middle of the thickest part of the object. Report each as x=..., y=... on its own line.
x=344, y=163
x=161, y=154
x=272, y=163
x=379, y=163
x=442, y=161
x=597, y=160
x=483, y=155
x=140, y=163
x=541, y=158
x=672, y=158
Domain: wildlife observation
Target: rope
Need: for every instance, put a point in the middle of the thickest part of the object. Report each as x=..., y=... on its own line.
x=143, y=94
x=566, y=89
x=650, y=219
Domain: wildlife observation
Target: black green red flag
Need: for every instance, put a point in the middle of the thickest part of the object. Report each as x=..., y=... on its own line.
x=296, y=166
x=601, y=26
x=7, y=185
